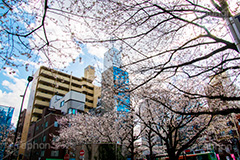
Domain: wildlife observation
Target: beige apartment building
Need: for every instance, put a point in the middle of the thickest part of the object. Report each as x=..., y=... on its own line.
x=47, y=83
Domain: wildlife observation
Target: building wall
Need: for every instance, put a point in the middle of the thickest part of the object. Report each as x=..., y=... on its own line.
x=47, y=83
x=107, y=96
x=21, y=121
x=115, y=83
x=115, y=87
x=6, y=114
x=40, y=137
x=72, y=99
x=121, y=84
x=112, y=58
x=89, y=73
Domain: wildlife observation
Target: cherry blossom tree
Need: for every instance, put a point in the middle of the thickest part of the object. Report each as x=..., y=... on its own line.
x=182, y=43
x=178, y=132
x=179, y=45
x=151, y=143
x=7, y=137
x=86, y=129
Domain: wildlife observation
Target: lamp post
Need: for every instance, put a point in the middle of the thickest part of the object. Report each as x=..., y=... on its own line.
x=30, y=78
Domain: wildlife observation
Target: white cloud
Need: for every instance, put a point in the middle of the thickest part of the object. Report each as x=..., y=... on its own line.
x=12, y=98
x=96, y=50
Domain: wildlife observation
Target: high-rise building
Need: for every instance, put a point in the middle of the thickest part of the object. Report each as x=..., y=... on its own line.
x=115, y=83
x=48, y=83
x=6, y=114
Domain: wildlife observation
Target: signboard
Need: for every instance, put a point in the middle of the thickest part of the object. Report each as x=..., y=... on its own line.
x=66, y=157
x=81, y=152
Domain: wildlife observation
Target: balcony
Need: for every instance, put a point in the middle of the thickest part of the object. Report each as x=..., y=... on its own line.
x=74, y=81
x=87, y=83
x=41, y=103
x=88, y=90
x=55, y=75
x=47, y=80
x=89, y=97
x=51, y=89
x=78, y=89
x=62, y=92
x=43, y=95
x=54, y=82
x=37, y=111
x=34, y=119
x=89, y=104
x=45, y=87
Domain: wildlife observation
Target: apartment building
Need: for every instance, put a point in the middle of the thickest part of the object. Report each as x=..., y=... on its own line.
x=48, y=83
x=40, y=136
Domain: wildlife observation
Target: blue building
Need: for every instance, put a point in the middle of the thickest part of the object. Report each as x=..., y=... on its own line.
x=6, y=114
x=115, y=83
x=121, y=84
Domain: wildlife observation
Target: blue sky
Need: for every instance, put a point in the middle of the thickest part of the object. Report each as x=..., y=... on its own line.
x=13, y=80
x=13, y=85
x=64, y=47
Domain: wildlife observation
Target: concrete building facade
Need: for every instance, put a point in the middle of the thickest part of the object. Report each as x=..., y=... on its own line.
x=48, y=83
x=39, y=144
x=72, y=103
x=21, y=121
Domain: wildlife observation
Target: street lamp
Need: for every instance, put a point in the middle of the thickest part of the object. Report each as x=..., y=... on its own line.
x=30, y=78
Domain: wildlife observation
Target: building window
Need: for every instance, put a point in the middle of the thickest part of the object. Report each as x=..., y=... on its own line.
x=42, y=153
x=44, y=139
x=55, y=124
x=72, y=111
x=46, y=124
x=54, y=153
x=62, y=103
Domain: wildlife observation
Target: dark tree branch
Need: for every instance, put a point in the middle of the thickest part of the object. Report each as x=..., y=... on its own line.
x=195, y=95
x=181, y=65
x=34, y=30
x=212, y=113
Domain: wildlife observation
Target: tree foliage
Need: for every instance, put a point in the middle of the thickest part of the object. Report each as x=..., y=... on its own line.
x=175, y=47
x=181, y=43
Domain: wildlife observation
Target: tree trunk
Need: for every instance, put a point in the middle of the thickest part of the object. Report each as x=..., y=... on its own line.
x=89, y=149
x=151, y=153
x=172, y=155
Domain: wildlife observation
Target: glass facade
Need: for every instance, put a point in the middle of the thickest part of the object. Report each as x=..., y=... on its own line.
x=121, y=84
x=112, y=58
x=6, y=114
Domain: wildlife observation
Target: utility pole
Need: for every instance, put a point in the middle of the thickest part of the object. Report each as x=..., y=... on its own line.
x=30, y=78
